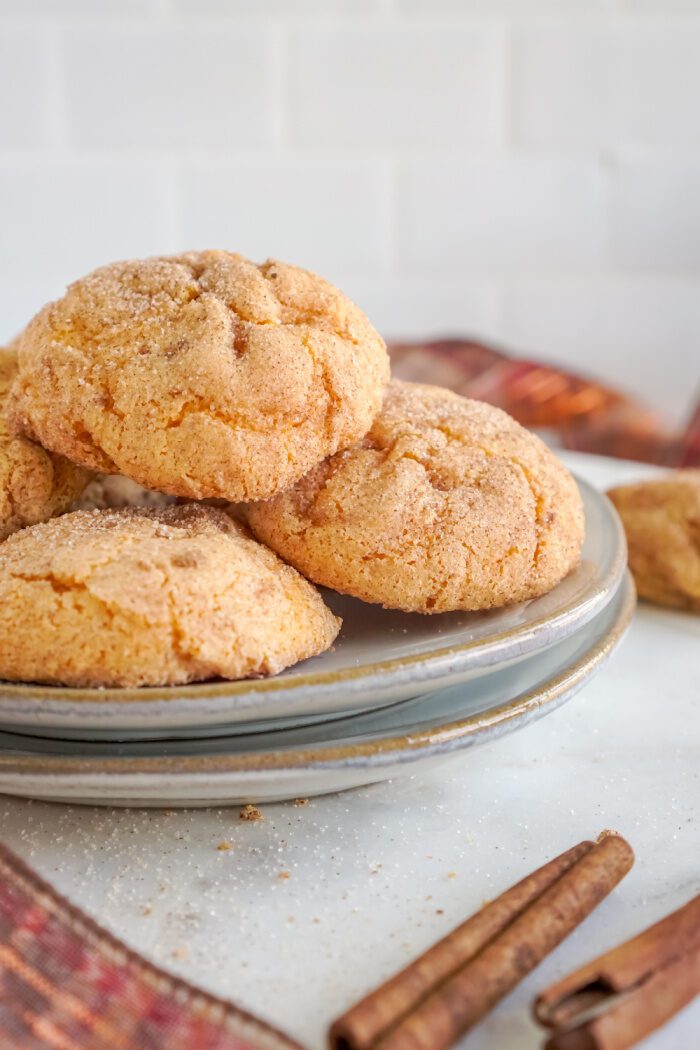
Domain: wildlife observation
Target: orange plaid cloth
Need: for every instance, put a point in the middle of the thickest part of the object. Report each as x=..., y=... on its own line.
x=67, y=984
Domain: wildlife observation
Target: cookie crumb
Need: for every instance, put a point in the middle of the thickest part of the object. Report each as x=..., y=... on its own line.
x=301, y=801
x=224, y=846
x=250, y=812
x=283, y=875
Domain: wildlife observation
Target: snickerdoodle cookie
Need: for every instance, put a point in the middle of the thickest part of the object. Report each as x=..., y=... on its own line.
x=34, y=484
x=201, y=375
x=447, y=504
x=662, y=523
x=151, y=597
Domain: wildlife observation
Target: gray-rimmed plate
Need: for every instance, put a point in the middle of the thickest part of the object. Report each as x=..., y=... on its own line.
x=359, y=749
x=381, y=657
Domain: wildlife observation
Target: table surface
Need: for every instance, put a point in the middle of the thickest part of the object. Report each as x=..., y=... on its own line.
x=314, y=905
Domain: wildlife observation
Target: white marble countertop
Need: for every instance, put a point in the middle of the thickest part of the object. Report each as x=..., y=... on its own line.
x=376, y=875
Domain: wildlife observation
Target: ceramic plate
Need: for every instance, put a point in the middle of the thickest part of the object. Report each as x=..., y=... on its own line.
x=380, y=657
x=312, y=760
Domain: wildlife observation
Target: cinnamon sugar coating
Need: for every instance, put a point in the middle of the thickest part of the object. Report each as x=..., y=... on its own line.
x=151, y=597
x=34, y=484
x=662, y=523
x=447, y=504
x=201, y=375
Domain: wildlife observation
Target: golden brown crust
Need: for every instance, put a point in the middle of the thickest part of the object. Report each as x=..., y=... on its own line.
x=151, y=597
x=34, y=484
x=201, y=375
x=447, y=504
x=662, y=524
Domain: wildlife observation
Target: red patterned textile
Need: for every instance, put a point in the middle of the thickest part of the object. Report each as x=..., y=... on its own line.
x=67, y=984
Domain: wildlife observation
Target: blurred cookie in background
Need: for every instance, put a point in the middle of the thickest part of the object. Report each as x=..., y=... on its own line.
x=662, y=523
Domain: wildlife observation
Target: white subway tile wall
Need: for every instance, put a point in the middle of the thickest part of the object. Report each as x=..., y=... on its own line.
x=527, y=171
x=507, y=212
x=328, y=213
x=613, y=82
x=151, y=87
x=25, y=81
x=396, y=84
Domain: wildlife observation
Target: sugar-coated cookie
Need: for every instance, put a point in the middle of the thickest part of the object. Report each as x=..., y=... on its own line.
x=201, y=375
x=34, y=484
x=151, y=597
x=447, y=504
x=662, y=522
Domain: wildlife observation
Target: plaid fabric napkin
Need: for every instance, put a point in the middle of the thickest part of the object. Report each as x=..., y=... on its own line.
x=67, y=984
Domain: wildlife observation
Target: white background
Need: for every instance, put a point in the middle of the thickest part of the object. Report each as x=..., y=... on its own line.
x=527, y=171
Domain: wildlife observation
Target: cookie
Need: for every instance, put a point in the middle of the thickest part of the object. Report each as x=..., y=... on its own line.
x=151, y=597
x=34, y=484
x=447, y=504
x=201, y=375
x=662, y=523
x=113, y=491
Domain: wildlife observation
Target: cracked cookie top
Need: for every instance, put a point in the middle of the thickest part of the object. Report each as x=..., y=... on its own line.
x=151, y=597
x=34, y=484
x=662, y=523
x=201, y=375
x=446, y=504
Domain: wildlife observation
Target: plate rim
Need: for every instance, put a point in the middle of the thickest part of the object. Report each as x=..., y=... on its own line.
x=383, y=751
x=159, y=698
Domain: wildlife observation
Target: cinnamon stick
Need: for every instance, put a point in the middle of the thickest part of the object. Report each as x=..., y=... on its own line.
x=619, y=998
x=436, y=999
x=362, y=1025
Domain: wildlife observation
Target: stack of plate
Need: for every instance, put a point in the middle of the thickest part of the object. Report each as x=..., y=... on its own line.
x=398, y=691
